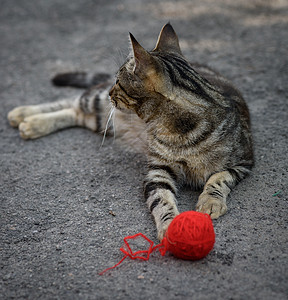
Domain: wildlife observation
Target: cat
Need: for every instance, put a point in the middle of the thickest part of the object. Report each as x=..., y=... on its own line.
x=195, y=123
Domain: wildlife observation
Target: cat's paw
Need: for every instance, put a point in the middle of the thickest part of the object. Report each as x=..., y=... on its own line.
x=18, y=114
x=211, y=206
x=34, y=127
x=162, y=231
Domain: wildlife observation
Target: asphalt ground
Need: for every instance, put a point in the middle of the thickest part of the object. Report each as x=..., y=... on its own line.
x=67, y=203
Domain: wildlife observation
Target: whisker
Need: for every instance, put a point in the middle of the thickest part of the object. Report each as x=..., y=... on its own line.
x=111, y=114
x=119, y=58
x=113, y=124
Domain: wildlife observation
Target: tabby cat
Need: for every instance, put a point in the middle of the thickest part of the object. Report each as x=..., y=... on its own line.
x=196, y=124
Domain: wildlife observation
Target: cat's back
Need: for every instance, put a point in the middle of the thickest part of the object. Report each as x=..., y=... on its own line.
x=226, y=87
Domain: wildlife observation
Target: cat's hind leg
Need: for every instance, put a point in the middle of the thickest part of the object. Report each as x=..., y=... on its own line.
x=18, y=114
x=213, y=198
x=87, y=110
x=39, y=125
x=35, y=121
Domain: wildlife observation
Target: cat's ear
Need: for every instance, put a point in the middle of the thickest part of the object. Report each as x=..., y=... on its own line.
x=168, y=40
x=142, y=57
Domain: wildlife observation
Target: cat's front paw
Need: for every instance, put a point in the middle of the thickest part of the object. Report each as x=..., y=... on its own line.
x=211, y=206
x=18, y=114
x=162, y=231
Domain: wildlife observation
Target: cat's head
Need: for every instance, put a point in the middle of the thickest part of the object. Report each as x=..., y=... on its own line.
x=143, y=77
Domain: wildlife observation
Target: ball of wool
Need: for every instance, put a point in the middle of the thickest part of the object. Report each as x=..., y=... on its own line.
x=190, y=235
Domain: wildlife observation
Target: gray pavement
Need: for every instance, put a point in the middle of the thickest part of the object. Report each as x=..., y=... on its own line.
x=66, y=203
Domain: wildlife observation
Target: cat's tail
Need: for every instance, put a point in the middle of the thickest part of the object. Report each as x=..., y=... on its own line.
x=80, y=79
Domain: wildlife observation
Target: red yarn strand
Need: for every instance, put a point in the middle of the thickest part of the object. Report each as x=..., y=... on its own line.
x=137, y=254
x=120, y=262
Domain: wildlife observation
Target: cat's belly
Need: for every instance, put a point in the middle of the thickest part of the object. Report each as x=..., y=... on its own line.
x=195, y=172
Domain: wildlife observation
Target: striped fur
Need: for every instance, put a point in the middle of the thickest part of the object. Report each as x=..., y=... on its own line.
x=195, y=123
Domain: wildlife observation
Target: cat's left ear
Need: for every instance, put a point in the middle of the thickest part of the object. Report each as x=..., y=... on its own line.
x=143, y=58
x=168, y=41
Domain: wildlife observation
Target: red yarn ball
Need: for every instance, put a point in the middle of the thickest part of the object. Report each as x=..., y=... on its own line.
x=190, y=235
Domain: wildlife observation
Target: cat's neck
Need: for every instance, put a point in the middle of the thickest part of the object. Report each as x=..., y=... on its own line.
x=150, y=108
x=165, y=116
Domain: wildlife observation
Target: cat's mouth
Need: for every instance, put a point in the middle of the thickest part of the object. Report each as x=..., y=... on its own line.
x=113, y=97
x=120, y=99
x=113, y=101
x=121, y=104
